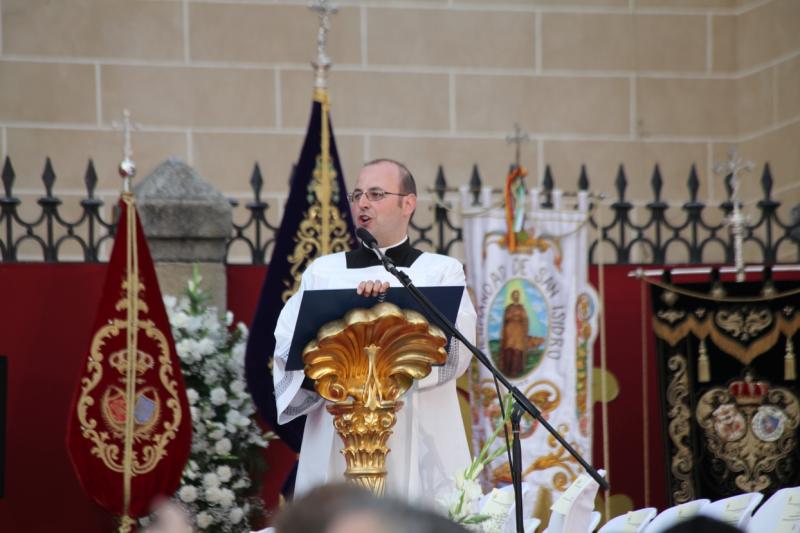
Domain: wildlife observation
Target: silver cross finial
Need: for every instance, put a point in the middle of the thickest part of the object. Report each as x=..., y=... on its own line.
x=518, y=137
x=733, y=168
x=324, y=9
x=127, y=168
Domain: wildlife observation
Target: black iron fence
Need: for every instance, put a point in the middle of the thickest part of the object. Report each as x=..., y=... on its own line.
x=660, y=233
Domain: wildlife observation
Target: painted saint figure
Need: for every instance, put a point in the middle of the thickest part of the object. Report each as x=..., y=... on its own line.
x=514, y=339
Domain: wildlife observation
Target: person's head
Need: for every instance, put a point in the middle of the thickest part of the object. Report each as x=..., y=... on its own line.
x=394, y=194
x=316, y=510
x=702, y=524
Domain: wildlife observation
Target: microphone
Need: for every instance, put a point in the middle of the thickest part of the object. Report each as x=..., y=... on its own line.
x=366, y=237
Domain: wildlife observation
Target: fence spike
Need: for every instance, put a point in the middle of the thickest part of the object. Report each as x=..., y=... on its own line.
x=440, y=185
x=693, y=184
x=657, y=183
x=90, y=179
x=583, y=179
x=48, y=178
x=475, y=185
x=766, y=182
x=621, y=183
x=8, y=176
x=547, y=182
x=257, y=181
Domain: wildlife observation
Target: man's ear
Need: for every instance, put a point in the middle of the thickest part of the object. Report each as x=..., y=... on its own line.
x=409, y=204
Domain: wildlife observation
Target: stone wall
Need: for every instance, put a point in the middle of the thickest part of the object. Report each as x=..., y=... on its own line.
x=222, y=84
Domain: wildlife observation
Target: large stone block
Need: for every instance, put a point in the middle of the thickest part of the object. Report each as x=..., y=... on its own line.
x=190, y=96
x=93, y=28
x=185, y=218
x=450, y=38
x=47, y=92
x=623, y=42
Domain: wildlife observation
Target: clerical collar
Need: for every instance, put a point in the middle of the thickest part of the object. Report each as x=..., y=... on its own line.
x=402, y=254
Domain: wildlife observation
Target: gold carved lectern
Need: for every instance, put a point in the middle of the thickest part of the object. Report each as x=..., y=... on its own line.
x=364, y=363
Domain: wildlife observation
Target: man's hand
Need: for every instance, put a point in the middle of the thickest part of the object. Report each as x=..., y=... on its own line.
x=372, y=288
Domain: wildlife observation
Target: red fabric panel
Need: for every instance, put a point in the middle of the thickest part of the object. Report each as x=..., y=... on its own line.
x=244, y=288
x=46, y=317
x=626, y=413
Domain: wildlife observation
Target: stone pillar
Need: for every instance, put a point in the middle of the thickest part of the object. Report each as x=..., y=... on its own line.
x=187, y=222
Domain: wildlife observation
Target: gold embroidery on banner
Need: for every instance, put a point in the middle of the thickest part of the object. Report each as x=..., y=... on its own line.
x=671, y=315
x=323, y=230
x=749, y=428
x=678, y=430
x=743, y=326
x=703, y=328
x=104, y=446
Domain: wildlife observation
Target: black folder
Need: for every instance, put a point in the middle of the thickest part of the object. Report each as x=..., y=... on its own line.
x=322, y=306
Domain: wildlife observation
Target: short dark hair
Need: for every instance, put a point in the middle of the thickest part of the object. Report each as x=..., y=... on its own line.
x=407, y=183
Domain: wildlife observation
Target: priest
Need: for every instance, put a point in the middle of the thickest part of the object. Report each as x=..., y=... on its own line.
x=428, y=444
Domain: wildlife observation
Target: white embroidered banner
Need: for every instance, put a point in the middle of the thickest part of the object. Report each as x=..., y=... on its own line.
x=537, y=320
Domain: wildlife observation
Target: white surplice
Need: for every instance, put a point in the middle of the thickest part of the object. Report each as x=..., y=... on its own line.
x=428, y=444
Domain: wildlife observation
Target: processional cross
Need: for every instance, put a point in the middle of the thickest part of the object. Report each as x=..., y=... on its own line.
x=321, y=65
x=518, y=137
x=736, y=220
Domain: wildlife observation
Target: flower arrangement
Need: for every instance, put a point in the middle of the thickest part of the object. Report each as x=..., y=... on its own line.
x=467, y=505
x=216, y=486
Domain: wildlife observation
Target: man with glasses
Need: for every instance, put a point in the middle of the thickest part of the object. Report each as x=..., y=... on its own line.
x=428, y=444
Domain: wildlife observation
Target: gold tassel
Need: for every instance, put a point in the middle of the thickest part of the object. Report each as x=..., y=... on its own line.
x=789, y=367
x=703, y=364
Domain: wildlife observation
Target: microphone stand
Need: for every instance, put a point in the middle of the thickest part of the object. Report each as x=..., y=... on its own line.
x=520, y=400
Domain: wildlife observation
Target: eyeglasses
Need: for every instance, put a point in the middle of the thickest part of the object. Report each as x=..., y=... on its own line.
x=373, y=195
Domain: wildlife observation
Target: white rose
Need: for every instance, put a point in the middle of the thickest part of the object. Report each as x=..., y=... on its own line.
x=205, y=346
x=226, y=498
x=211, y=377
x=180, y=320
x=208, y=412
x=185, y=349
x=239, y=387
x=188, y=493
x=243, y=483
x=224, y=472
x=210, y=480
x=194, y=324
x=192, y=396
x=232, y=416
x=170, y=301
x=216, y=434
x=228, y=322
x=236, y=515
x=223, y=447
x=204, y=520
x=213, y=494
x=219, y=396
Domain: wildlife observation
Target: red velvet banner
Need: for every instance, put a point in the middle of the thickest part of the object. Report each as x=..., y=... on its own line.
x=129, y=432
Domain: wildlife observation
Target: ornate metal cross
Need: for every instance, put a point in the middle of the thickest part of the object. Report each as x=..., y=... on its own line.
x=322, y=63
x=518, y=137
x=736, y=220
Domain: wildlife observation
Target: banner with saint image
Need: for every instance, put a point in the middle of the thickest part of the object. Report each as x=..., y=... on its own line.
x=537, y=321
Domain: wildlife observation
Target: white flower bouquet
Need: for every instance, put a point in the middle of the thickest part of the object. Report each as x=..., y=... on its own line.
x=216, y=488
x=467, y=504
